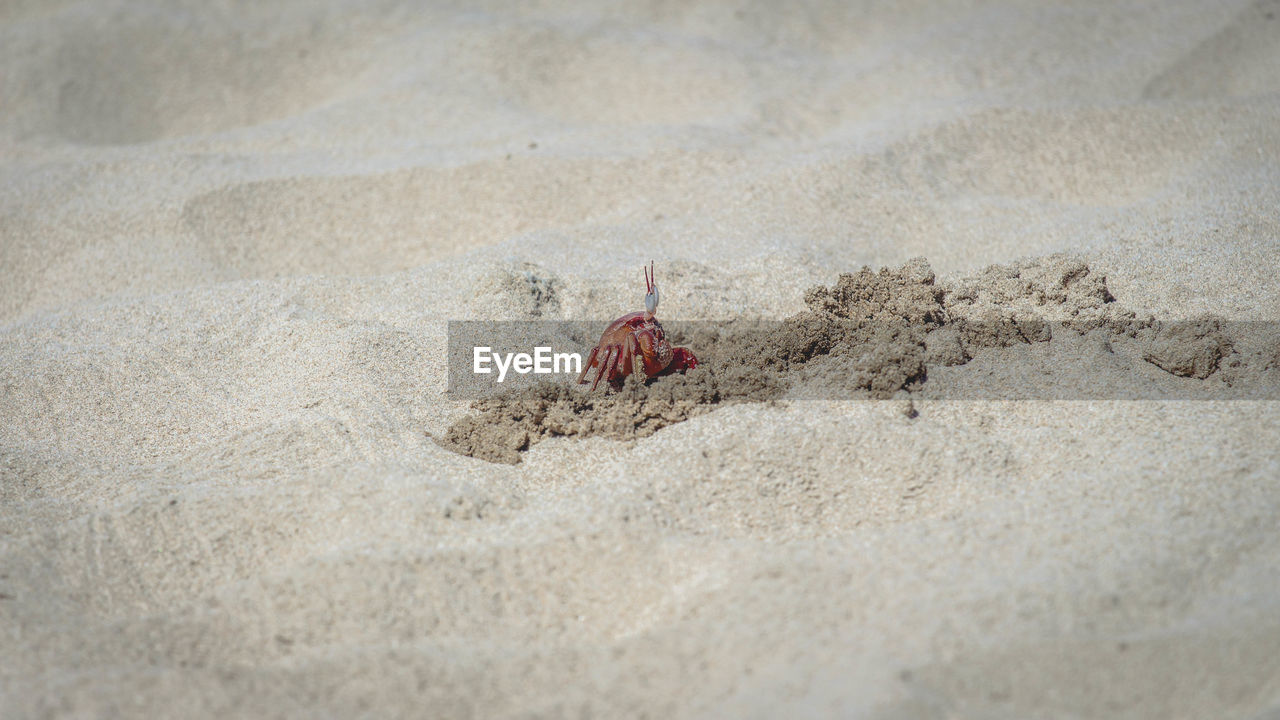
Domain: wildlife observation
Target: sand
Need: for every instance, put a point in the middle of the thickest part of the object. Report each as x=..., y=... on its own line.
x=231, y=239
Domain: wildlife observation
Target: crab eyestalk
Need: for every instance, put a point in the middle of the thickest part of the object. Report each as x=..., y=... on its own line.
x=651, y=292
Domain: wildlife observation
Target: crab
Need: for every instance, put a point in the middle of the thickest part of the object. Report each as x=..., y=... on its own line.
x=636, y=343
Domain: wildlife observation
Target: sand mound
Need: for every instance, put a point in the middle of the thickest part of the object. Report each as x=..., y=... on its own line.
x=871, y=335
x=888, y=312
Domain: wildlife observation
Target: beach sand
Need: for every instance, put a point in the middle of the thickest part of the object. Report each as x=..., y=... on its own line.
x=231, y=240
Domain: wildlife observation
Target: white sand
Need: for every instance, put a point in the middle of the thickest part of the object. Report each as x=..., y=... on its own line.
x=230, y=239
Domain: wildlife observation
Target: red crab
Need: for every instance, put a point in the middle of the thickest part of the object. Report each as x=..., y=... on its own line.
x=638, y=336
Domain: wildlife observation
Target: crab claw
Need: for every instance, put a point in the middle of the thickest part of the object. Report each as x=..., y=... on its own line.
x=681, y=360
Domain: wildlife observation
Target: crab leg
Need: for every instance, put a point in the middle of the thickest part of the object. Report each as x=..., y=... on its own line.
x=603, y=366
x=637, y=357
x=614, y=361
x=628, y=356
x=587, y=368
